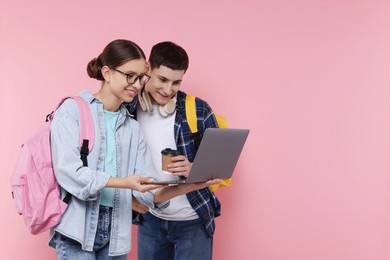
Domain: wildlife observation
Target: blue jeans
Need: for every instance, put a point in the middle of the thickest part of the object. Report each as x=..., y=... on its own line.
x=168, y=240
x=68, y=249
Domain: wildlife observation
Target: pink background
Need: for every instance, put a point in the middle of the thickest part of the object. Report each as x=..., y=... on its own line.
x=309, y=78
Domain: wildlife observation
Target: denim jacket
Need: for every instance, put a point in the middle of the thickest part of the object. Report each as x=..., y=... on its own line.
x=80, y=219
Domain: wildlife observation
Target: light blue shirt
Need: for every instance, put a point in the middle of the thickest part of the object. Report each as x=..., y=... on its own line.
x=80, y=219
x=107, y=194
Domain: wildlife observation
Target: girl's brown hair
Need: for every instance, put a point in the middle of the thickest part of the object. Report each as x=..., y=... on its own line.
x=114, y=55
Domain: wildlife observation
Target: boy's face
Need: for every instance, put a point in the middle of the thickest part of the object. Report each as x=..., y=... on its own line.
x=164, y=83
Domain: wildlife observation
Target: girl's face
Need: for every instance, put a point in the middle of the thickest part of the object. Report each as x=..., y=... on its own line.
x=116, y=86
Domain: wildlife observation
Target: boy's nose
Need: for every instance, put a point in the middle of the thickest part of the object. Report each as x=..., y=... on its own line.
x=168, y=89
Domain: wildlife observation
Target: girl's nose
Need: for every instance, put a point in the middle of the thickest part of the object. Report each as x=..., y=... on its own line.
x=137, y=85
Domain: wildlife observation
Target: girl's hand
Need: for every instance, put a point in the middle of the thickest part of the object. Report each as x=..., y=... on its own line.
x=135, y=182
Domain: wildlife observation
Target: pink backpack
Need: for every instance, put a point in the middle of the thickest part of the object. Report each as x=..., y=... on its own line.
x=35, y=190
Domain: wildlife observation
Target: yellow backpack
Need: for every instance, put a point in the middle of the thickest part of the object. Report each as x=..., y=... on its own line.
x=192, y=122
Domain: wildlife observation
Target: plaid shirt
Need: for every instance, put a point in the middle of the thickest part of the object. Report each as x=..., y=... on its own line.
x=203, y=201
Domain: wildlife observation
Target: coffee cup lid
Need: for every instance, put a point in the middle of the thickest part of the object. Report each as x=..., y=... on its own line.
x=170, y=152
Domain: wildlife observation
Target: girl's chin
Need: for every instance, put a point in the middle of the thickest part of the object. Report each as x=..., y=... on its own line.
x=130, y=94
x=128, y=99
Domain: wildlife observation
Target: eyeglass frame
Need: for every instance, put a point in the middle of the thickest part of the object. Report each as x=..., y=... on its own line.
x=136, y=77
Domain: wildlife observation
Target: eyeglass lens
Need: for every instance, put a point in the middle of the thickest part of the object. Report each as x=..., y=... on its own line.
x=132, y=79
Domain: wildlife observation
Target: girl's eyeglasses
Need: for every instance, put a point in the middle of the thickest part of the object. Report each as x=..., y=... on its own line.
x=132, y=78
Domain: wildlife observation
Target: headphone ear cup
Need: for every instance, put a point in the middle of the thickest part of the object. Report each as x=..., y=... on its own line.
x=148, y=101
x=162, y=111
x=168, y=108
x=142, y=101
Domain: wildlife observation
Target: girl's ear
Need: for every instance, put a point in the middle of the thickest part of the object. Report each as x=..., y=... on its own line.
x=106, y=72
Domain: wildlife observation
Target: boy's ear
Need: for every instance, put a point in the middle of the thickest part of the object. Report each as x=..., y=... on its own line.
x=106, y=73
x=149, y=68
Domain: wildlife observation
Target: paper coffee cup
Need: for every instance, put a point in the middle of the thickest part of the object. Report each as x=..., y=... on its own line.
x=166, y=157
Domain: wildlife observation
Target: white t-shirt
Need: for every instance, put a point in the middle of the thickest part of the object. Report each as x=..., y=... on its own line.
x=159, y=134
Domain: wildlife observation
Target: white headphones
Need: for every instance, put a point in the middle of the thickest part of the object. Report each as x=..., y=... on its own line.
x=146, y=104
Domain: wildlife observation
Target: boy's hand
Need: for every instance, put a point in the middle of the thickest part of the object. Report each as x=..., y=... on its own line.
x=138, y=206
x=180, y=166
x=188, y=187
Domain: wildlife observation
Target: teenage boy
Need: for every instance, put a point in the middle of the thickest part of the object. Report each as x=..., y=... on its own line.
x=184, y=228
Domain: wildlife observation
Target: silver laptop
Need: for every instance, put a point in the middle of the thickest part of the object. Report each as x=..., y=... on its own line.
x=217, y=155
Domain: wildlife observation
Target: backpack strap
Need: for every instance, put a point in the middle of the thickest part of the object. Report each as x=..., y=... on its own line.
x=192, y=120
x=87, y=132
x=190, y=107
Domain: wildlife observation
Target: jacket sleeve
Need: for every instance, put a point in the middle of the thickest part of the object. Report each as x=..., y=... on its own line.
x=82, y=182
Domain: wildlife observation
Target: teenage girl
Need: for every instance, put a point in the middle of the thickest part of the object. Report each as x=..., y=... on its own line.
x=97, y=222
